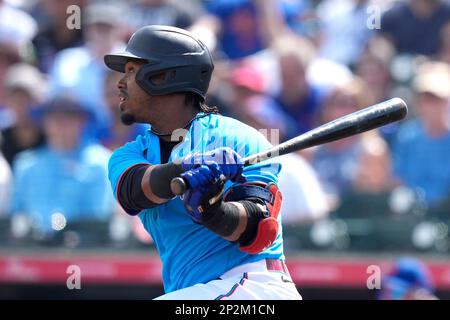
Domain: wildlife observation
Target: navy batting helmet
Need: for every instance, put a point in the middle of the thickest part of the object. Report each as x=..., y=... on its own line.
x=185, y=60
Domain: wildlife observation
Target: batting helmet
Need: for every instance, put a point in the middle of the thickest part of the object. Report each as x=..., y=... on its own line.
x=185, y=59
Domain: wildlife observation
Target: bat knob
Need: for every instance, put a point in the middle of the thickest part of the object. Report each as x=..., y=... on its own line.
x=178, y=186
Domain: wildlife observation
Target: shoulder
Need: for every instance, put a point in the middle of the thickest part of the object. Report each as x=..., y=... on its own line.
x=225, y=120
x=231, y=126
x=96, y=154
x=131, y=152
x=25, y=25
x=77, y=55
x=139, y=144
x=28, y=159
x=236, y=133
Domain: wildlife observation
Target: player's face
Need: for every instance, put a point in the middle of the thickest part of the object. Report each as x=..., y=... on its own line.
x=134, y=101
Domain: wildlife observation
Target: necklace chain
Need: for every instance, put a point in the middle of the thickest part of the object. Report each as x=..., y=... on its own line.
x=185, y=127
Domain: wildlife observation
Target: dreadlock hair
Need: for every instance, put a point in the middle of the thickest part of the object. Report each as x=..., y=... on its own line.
x=192, y=99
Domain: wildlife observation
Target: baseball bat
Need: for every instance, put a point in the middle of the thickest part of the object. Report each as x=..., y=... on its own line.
x=357, y=122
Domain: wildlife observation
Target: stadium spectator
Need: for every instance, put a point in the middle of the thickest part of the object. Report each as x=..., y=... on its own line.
x=5, y=184
x=53, y=33
x=247, y=81
x=279, y=64
x=161, y=12
x=422, y=149
x=304, y=200
x=343, y=29
x=299, y=98
x=372, y=192
x=414, y=26
x=253, y=106
x=408, y=279
x=444, y=48
x=336, y=163
x=81, y=72
x=66, y=176
x=374, y=172
x=240, y=28
x=25, y=90
x=373, y=67
x=17, y=28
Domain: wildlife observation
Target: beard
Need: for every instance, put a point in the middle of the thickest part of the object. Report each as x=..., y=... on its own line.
x=127, y=119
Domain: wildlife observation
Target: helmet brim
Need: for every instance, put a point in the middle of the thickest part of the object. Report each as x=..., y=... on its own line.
x=118, y=61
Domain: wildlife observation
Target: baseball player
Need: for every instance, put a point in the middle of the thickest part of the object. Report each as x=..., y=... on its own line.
x=222, y=239
x=409, y=279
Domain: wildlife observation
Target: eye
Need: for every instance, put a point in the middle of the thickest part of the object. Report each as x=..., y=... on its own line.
x=129, y=69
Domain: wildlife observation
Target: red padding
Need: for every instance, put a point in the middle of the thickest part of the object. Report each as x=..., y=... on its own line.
x=267, y=228
x=266, y=235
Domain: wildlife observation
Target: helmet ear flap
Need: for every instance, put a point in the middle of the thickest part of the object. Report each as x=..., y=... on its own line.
x=151, y=80
x=171, y=75
x=162, y=78
x=179, y=79
x=157, y=82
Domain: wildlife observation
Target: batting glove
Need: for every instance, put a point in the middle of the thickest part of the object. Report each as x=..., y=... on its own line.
x=229, y=162
x=206, y=186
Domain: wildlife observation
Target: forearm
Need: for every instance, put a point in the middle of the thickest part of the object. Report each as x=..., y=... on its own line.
x=146, y=186
x=234, y=221
x=242, y=222
x=155, y=183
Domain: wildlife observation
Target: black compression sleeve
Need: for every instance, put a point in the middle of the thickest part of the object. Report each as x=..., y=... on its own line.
x=160, y=178
x=130, y=194
x=223, y=218
x=254, y=216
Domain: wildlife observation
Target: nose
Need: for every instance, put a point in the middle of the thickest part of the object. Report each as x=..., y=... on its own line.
x=121, y=84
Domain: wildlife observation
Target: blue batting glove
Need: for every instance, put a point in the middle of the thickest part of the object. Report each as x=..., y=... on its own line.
x=229, y=162
x=206, y=183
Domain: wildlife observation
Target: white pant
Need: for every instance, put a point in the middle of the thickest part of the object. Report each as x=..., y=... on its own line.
x=250, y=281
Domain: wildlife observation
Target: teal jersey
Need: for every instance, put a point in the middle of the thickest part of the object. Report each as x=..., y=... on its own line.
x=190, y=253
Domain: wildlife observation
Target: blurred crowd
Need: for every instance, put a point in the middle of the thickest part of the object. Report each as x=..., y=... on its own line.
x=282, y=66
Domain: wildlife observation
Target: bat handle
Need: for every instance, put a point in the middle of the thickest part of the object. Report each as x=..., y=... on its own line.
x=178, y=186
